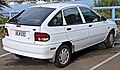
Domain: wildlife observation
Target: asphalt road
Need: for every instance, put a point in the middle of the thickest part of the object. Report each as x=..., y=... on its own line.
x=82, y=60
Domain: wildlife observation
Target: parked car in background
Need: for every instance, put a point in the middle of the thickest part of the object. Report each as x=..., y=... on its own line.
x=56, y=30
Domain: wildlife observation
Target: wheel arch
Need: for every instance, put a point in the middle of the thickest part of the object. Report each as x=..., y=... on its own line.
x=55, y=59
x=69, y=44
x=107, y=41
x=112, y=30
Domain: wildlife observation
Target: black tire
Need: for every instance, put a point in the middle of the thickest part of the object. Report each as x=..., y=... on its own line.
x=64, y=59
x=20, y=56
x=109, y=42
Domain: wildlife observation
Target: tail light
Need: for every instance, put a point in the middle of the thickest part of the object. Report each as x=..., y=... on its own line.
x=6, y=32
x=41, y=37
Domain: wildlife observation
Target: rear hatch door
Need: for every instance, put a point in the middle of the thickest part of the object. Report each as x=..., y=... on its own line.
x=23, y=26
x=22, y=33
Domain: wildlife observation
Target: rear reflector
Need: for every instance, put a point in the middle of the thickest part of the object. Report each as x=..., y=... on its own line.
x=41, y=36
x=6, y=32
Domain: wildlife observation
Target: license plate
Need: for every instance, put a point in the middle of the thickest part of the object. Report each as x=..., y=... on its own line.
x=20, y=33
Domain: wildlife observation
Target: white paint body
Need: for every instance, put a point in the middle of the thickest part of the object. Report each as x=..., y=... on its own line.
x=81, y=36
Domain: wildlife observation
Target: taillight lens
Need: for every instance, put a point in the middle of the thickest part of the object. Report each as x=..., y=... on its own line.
x=41, y=37
x=6, y=32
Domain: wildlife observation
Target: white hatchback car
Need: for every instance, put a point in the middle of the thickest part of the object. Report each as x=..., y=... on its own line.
x=54, y=31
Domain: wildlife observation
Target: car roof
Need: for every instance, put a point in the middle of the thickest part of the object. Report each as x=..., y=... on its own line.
x=60, y=4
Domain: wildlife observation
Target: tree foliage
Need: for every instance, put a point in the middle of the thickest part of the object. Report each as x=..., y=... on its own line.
x=3, y=4
x=107, y=3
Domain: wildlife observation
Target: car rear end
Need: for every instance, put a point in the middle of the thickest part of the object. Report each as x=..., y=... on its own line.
x=24, y=30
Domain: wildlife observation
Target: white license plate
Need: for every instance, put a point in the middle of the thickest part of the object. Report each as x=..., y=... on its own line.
x=20, y=33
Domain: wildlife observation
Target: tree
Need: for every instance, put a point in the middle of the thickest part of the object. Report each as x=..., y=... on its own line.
x=101, y=3
x=3, y=4
x=107, y=3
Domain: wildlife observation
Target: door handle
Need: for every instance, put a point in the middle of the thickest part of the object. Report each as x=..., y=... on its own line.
x=90, y=25
x=68, y=28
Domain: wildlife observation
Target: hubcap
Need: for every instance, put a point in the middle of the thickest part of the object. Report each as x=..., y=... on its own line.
x=64, y=56
x=111, y=39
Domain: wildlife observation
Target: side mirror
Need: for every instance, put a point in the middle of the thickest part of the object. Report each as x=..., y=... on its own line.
x=103, y=18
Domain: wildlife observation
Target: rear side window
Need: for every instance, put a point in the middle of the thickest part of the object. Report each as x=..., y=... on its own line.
x=57, y=20
x=32, y=16
x=72, y=16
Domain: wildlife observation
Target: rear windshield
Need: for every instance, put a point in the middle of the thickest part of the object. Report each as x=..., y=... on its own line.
x=32, y=16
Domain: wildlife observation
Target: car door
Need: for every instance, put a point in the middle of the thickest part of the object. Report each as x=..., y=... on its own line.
x=76, y=30
x=97, y=28
x=56, y=29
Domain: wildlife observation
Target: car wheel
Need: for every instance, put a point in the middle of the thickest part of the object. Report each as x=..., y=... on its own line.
x=63, y=56
x=109, y=42
x=20, y=56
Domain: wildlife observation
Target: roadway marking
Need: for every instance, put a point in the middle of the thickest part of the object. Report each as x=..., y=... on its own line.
x=105, y=61
x=4, y=55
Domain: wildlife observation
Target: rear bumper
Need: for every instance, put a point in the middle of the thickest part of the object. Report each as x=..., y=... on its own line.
x=30, y=50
